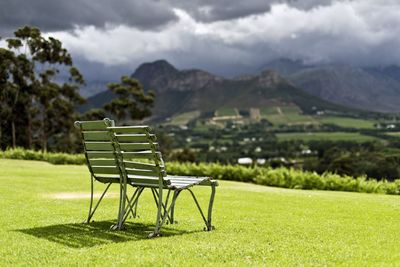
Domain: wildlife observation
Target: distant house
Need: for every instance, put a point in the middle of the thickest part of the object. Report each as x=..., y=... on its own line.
x=306, y=152
x=390, y=126
x=245, y=161
x=261, y=161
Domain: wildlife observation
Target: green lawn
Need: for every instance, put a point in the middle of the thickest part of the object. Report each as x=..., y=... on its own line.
x=281, y=115
x=334, y=136
x=396, y=134
x=347, y=122
x=42, y=206
x=184, y=118
x=222, y=112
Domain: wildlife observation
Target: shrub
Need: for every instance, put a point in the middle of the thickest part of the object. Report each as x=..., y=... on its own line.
x=287, y=178
x=279, y=177
x=54, y=158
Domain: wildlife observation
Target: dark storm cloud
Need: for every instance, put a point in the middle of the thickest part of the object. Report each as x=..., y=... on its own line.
x=58, y=15
x=224, y=36
x=211, y=10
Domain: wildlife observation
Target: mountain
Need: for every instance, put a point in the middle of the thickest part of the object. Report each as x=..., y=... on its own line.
x=179, y=91
x=162, y=76
x=373, y=89
x=285, y=66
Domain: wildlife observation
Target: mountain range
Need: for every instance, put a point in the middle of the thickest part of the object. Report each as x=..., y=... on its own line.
x=335, y=87
x=179, y=91
x=369, y=88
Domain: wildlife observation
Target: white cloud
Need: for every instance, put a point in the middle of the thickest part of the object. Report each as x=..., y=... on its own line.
x=358, y=32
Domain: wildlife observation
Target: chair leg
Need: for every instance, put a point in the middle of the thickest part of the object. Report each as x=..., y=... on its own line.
x=158, y=221
x=132, y=202
x=172, y=213
x=135, y=209
x=155, y=196
x=207, y=221
x=136, y=203
x=91, y=200
x=210, y=207
x=121, y=210
x=91, y=212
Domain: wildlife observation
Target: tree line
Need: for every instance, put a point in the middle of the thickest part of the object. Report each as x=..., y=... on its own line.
x=40, y=94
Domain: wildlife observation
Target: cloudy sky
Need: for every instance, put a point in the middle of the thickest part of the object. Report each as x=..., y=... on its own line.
x=223, y=36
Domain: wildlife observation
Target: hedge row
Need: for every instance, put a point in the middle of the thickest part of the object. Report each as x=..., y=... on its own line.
x=287, y=178
x=54, y=158
x=280, y=177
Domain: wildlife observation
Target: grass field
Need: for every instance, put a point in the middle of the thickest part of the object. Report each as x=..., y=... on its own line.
x=42, y=206
x=281, y=115
x=184, y=118
x=396, y=134
x=347, y=122
x=222, y=112
x=334, y=136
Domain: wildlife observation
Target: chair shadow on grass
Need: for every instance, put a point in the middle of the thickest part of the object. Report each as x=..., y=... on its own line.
x=81, y=235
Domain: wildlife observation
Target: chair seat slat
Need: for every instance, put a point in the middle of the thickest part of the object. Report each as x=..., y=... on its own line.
x=130, y=129
x=135, y=146
x=99, y=146
x=105, y=169
x=134, y=137
x=96, y=136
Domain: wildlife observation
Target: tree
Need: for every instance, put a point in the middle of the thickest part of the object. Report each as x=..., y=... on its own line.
x=16, y=75
x=130, y=102
x=47, y=104
x=7, y=89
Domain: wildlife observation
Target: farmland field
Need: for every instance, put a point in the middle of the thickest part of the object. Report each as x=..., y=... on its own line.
x=396, y=134
x=280, y=115
x=222, y=112
x=184, y=118
x=347, y=122
x=334, y=136
x=43, y=206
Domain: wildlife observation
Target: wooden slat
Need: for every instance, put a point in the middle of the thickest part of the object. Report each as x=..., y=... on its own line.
x=105, y=170
x=135, y=138
x=143, y=180
x=137, y=172
x=135, y=146
x=93, y=125
x=130, y=129
x=102, y=162
x=140, y=166
x=186, y=178
x=107, y=146
x=96, y=136
x=107, y=179
x=141, y=155
x=206, y=181
x=100, y=155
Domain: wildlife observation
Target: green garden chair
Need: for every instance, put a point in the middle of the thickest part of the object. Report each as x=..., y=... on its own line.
x=142, y=167
x=100, y=158
x=129, y=155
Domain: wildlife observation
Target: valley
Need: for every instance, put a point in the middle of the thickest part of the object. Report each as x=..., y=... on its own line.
x=270, y=119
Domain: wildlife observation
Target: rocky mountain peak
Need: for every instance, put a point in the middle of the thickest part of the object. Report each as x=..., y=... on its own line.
x=158, y=71
x=270, y=78
x=160, y=75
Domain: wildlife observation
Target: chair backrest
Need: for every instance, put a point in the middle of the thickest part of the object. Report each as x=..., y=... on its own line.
x=141, y=159
x=99, y=149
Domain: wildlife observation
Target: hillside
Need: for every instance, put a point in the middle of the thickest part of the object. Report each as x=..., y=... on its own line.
x=373, y=89
x=179, y=91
